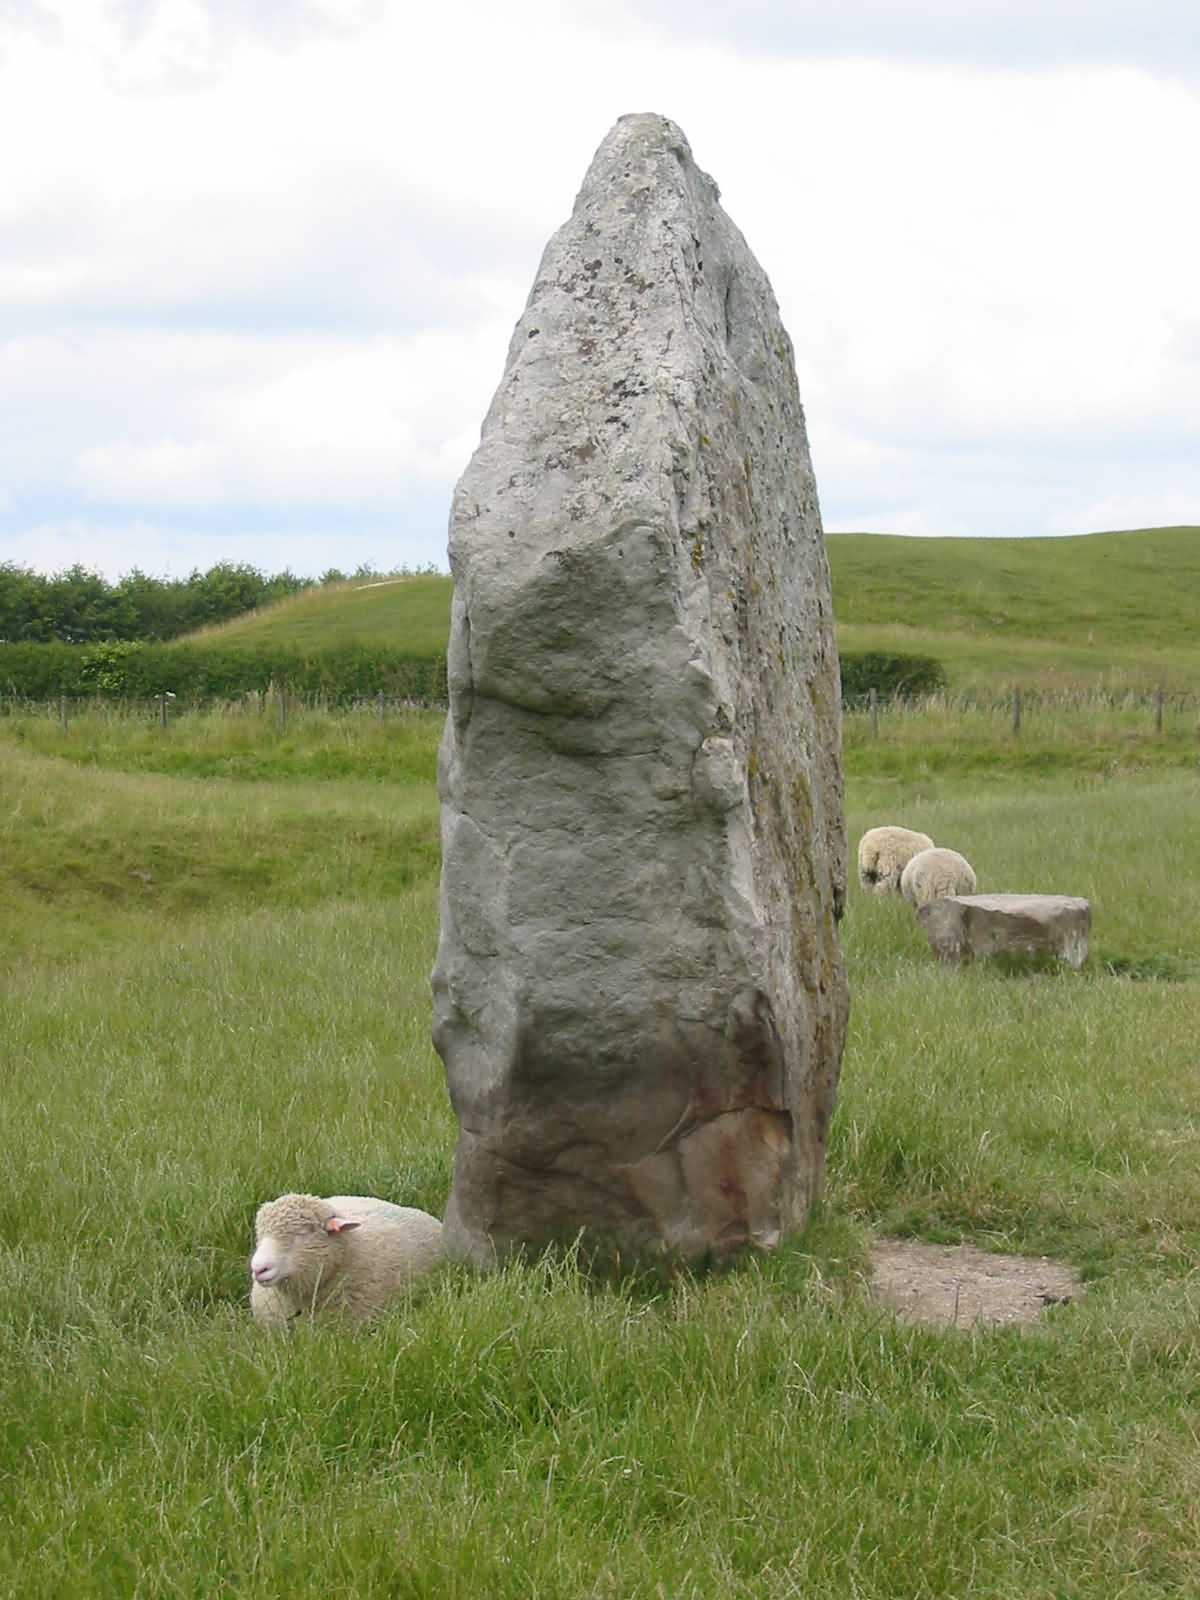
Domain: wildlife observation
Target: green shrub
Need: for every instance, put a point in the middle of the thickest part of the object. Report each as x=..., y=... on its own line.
x=893, y=677
x=106, y=667
x=82, y=607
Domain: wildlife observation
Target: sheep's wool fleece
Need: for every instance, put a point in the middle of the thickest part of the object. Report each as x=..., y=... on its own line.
x=638, y=995
x=933, y=874
x=883, y=854
x=357, y=1272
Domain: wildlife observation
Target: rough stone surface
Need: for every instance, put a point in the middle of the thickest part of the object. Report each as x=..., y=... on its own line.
x=963, y=927
x=638, y=993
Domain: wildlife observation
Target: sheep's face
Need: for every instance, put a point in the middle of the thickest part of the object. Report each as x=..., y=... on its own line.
x=297, y=1242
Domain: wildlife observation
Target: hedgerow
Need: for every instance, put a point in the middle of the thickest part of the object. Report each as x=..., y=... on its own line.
x=209, y=672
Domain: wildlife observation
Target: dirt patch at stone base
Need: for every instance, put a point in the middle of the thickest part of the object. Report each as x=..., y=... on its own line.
x=958, y=1286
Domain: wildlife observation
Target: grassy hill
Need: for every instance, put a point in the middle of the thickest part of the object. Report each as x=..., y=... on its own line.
x=408, y=614
x=1058, y=612
x=1130, y=589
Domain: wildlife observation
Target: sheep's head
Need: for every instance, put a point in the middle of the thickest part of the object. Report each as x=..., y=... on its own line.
x=298, y=1244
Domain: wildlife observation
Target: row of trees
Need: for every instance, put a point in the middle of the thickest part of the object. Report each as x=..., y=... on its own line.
x=81, y=607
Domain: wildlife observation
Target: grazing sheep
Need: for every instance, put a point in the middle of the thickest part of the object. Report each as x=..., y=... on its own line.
x=350, y=1253
x=934, y=874
x=883, y=854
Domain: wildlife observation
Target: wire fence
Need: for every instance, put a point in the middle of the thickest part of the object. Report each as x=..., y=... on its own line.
x=1019, y=708
x=1022, y=707
x=274, y=705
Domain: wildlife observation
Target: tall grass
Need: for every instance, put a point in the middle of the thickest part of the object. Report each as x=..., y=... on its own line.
x=962, y=735
x=769, y=1432
x=245, y=739
x=1093, y=731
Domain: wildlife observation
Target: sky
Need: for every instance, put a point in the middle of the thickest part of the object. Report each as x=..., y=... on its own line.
x=260, y=259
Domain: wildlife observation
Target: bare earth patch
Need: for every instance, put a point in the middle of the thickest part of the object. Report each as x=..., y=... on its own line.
x=958, y=1286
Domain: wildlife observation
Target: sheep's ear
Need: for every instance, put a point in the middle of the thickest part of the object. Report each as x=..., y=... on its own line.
x=340, y=1225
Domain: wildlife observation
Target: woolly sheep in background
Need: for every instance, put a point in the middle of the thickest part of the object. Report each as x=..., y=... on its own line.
x=935, y=874
x=883, y=854
x=348, y=1254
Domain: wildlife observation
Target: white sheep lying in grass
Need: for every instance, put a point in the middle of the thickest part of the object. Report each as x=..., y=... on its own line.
x=883, y=854
x=933, y=874
x=350, y=1253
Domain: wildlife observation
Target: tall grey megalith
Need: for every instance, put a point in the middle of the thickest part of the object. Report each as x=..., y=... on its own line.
x=638, y=993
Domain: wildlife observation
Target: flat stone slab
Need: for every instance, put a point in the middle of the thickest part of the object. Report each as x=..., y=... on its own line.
x=965, y=927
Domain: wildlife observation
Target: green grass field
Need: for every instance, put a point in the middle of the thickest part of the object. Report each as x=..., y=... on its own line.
x=214, y=986
x=1111, y=608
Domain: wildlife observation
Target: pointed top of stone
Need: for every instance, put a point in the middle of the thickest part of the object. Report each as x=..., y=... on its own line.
x=644, y=136
x=647, y=297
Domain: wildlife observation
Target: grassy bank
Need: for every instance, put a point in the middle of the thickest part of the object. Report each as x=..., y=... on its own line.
x=1121, y=591
x=412, y=614
x=107, y=859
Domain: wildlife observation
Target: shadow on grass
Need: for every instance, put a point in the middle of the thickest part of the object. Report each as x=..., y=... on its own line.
x=1150, y=969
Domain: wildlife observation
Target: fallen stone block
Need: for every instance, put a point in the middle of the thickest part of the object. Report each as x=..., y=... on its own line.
x=967, y=927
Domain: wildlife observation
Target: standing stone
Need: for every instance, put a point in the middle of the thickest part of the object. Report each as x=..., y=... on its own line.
x=638, y=993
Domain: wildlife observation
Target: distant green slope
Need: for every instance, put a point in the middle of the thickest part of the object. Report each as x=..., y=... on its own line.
x=1133, y=588
x=408, y=615
x=1055, y=611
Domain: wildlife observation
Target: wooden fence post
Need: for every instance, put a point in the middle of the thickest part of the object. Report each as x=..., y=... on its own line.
x=1016, y=710
x=1158, y=709
x=62, y=711
x=873, y=702
x=282, y=709
x=380, y=705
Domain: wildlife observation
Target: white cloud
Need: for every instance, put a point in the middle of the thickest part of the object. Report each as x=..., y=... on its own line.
x=1144, y=505
x=260, y=264
x=173, y=549
x=1011, y=33
x=147, y=419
